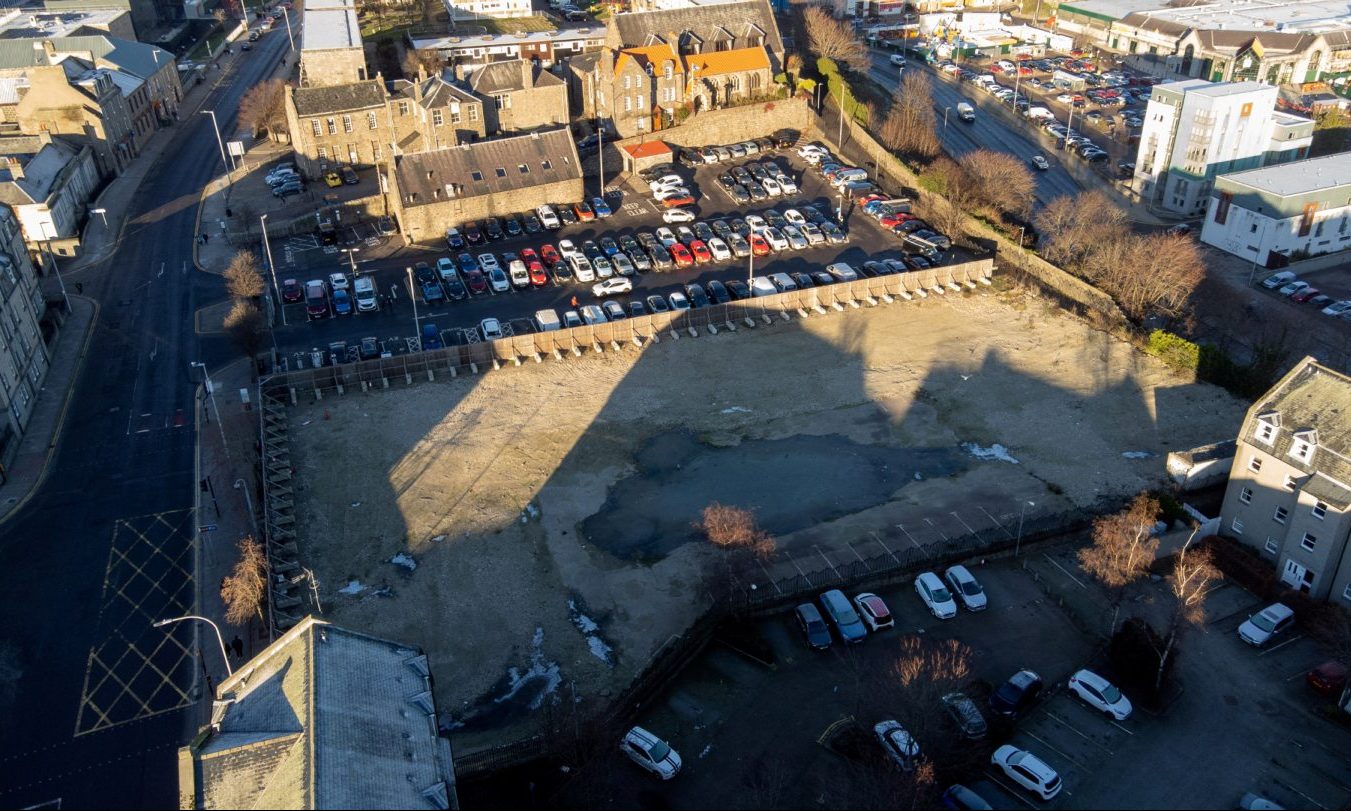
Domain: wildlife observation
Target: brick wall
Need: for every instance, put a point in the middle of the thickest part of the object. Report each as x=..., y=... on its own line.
x=427, y=223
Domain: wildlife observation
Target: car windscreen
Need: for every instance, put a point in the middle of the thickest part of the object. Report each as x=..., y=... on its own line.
x=1264, y=622
x=970, y=588
x=659, y=751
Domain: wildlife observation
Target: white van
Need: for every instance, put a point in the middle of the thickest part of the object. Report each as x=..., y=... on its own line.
x=547, y=320
x=966, y=112
x=1038, y=112
x=364, y=291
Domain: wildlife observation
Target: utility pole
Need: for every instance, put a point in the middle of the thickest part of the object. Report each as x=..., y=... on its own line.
x=412, y=294
x=229, y=164
x=267, y=249
x=289, y=36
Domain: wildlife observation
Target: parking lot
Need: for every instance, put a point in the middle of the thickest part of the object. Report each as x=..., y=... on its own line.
x=752, y=735
x=303, y=341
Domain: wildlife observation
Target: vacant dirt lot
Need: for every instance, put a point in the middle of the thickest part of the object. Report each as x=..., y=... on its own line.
x=547, y=509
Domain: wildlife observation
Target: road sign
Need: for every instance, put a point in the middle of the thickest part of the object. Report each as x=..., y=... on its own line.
x=236, y=148
x=207, y=528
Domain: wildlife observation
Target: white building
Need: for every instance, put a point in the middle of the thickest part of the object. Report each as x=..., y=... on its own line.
x=470, y=9
x=1196, y=130
x=1301, y=208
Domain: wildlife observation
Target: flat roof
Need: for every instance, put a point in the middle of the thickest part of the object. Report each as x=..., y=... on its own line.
x=28, y=23
x=1309, y=16
x=1300, y=177
x=331, y=27
x=450, y=41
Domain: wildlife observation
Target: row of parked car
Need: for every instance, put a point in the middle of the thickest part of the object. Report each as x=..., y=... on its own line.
x=334, y=296
x=544, y=218
x=1287, y=284
x=690, y=157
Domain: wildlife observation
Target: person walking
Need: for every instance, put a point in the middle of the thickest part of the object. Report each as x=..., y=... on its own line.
x=574, y=301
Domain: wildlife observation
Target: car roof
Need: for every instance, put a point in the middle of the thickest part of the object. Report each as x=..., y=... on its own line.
x=809, y=611
x=1278, y=611
x=1092, y=679
x=1023, y=678
x=878, y=606
x=1032, y=763
x=960, y=572
x=930, y=579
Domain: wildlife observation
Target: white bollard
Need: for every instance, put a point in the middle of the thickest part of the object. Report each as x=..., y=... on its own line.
x=712, y=330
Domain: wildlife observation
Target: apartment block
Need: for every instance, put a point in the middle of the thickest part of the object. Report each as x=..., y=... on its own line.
x=23, y=355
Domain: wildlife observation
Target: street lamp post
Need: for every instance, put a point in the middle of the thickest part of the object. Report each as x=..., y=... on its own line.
x=51, y=254
x=211, y=392
x=351, y=258
x=103, y=215
x=1261, y=239
x=412, y=296
x=946, y=110
x=287, y=15
x=241, y=487
x=229, y=671
x=1019, y=543
x=267, y=249
x=220, y=142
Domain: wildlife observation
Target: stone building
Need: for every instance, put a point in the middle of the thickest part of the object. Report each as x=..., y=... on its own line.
x=331, y=49
x=433, y=112
x=23, y=355
x=519, y=96
x=76, y=100
x=334, y=125
x=47, y=182
x=1289, y=492
x=447, y=187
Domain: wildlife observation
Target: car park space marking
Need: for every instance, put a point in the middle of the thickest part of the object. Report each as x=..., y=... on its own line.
x=935, y=528
x=1051, y=561
x=1289, y=787
x=1048, y=745
x=995, y=520
x=878, y=538
x=799, y=568
x=1077, y=731
x=772, y=581
x=1014, y=793
x=963, y=523
x=856, y=554
x=908, y=535
x=1295, y=638
x=826, y=559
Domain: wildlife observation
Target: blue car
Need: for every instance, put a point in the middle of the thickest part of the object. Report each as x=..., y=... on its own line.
x=601, y=208
x=609, y=246
x=467, y=262
x=842, y=614
x=342, y=302
x=813, y=627
x=431, y=337
x=432, y=292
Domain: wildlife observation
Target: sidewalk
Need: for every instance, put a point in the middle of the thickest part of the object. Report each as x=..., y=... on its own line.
x=43, y=433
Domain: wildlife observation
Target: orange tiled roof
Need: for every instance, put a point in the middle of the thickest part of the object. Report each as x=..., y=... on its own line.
x=648, y=149
x=654, y=54
x=734, y=61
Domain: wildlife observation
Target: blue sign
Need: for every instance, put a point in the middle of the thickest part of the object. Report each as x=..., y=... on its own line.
x=207, y=528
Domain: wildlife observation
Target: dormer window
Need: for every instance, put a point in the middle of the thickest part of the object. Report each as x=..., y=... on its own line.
x=1266, y=427
x=1302, y=446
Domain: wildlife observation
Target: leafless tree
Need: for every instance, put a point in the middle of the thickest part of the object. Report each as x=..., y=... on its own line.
x=242, y=276
x=245, y=326
x=263, y=107
x=423, y=60
x=910, y=125
x=743, y=543
x=244, y=591
x=1071, y=227
x=1193, y=572
x=1000, y=181
x=834, y=39
x=1124, y=546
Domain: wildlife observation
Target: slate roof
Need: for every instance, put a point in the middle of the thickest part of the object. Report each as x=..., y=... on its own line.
x=40, y=170
x=437, y=91
x=703, y=20
x=426, y=176
x=325, y=718
x=136, y=58
x=510, y=76
x=1310, y=396
x=339, y=98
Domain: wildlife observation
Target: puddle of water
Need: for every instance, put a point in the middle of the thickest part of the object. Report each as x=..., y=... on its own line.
x=790, y=483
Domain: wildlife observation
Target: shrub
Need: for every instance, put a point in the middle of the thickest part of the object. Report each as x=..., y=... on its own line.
x=1174, y=350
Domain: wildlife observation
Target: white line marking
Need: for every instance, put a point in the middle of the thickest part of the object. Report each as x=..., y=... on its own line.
x=908, y=535
x=826, y=559
x=935, y=528
x=995, y=520
x=856, y=554
x=959, y=518
x=1048, y=745
x=878, y=538
x=1076, y=731
x=1295, y=638
x=1063, y=569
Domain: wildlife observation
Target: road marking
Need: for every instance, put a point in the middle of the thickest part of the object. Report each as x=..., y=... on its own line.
x=878, y=538
x=1048, y=745
x=959, y=518
x=769, y=577
x=1076, y=731
x=935, y=528
x=1014, y=793
x=1295, y=638
x=1063, y=569
x=1300, y=793
x=826, y=559
x=908, y=535
x=856, y=554
x=995, y=520
x=1120, y=727
x=799, y=568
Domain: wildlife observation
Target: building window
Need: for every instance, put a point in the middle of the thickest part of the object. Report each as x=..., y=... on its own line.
x=1272, y=547
x=403, y=108
x=525, y=170
x=1265, y=431
x=628, y=104
x=626, y=83
x=1291, y=483
x=1308, y=542
x=501, y=172
x=1237, y=526
x=473, y=112
x=454, y=116
x=503, y=101
x=1280, y=515
x=1301, y=450
x=347, y=123
x=371, y=121
x=1245, y=495
x=332, y=126
x=1320, y=510
x=669, y=70
x=323, y=153
x=1255, y=465
x=375, y=150
x=318, y=129
x=477, y=176
x=546, y=165
x=639, y=103
x=437, y=119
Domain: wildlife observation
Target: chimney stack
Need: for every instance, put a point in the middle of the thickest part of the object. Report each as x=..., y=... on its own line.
x=15, y=167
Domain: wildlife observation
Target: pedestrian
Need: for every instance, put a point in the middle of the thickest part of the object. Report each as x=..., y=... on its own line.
x=574, y=301
x=79, y=288
x=238, y=645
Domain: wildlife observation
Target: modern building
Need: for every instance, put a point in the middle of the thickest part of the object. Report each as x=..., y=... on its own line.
x=1270, y=41
x=331, y=50
x=341, y=124
x=437, y=189
x=1299, y=210
x=23, y=355
x=322, y=718
x=145, y=15
x=473, y=9
x=1195, y=130
x=1289, y=492
x=519, y=96
x=547, y=48
x=47, y=182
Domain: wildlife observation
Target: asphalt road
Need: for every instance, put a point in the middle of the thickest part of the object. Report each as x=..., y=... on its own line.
x=94, y=700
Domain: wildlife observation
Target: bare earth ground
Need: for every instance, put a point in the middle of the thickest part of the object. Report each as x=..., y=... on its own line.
x=488, y=482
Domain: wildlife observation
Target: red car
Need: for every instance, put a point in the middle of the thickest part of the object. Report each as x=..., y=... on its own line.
x=538, y=277
x=1024, y=70
x=291, y=291
x=759, y=245
x=1305, y=294
x=678, y=202
x=1328, y=678
x=895, y=219
x=681, y=255
x=475, y=281
x=584, y=211
x=549, y=254
x=702, y=255
x=995, y=69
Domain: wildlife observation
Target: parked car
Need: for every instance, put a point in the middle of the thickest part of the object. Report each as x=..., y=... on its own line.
x=966, y=715
x=1278, y=279
x=1260, y=628
x=1328, y=679
x=431, y=337
x=843, y=616
x=651, y=753
x=935, y=595
x=366, y=298
x=960, y=798
x=490, y=329
x=612, y=287
x=1028, y=771
x=349, y=176
x=1013, y=698
x=600, y=207
x=966, y=587
x=1100, y=694
x=813, y=626
x=291, y=291
x=316, y=299
x=899, y=745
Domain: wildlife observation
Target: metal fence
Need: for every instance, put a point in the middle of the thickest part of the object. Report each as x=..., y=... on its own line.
x=749, y=313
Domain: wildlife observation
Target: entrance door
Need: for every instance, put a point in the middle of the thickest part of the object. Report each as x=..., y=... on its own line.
x=1298, y=576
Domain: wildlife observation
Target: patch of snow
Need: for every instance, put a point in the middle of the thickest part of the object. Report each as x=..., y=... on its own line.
x=1137, y=454
x=405, y=560
x=438, y=539
x=995, y=452
x=736, y=410
x=707, y=749
x=539, y=669
x=352, y=587
x=591, y=631
x=600, y=650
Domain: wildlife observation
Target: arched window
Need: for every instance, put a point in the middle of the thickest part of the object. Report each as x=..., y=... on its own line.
x=754, y=82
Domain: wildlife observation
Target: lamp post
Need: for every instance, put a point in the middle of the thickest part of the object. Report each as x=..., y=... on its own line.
x=229, y=671
x=351, y=258
x=287, y=15
x=55, y=267
x=267, y=249
x=103, y=215
x=211, y=392
x=240, y=486
x=1019, y=543
x=412, y=296
x=946, y=110
x=220, y=142
x=1261, y=239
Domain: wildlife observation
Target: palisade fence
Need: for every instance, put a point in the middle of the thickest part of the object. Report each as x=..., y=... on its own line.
x=748, y=313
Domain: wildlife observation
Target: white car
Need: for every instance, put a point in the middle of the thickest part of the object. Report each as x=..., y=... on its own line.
x=338, y=281
x=1064, y=98
x=666, y=236
x=795, y=217
x=677, y=215
x=789, y=187
x=813, y=233
x=604, y=269
x=612, y=287
x=566, y=248
x=719, y=249
x=670, y=191
x=762, y=286
x=488, y=262
x=874, y=612
x=1292, y=288
x=679, y=301
x=842, y=272
x=548, y=217
x=796, y=240
x=808, y=150
x=498, y=279
x=651, y=753
x=1259, y=629
x=1028, y=771
x=900, y=745
x=967, y=588
x=1338, y=307
x=897, y=59
x=364, y=292
x=935, y=595
x=772, y=186
x=1100, y=694
x=520, y=276
x=775, y=238
x=755, y=222
x=1040, y=162
x=1277, y=279
x=581, y=268
x=491, y=329
x=666, y=180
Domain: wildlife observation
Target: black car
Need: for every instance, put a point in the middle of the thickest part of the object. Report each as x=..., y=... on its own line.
x=1015, y=696
x=660, y=170
x=813, y=215
x=636, y=309
x=473, y=234
x=966, y=715
x=717, y=291
x=567, y=216
x=726, y=180
x=697, y=296
x=740, y=194
x=738, y=290
x=689, y=159
x=369, y=349
x=532, y=224
x=386, y=226
x=822, y=278
x=512, y=226
x=454, y=288
x=813, y=626
x=802, y=280
x=870, y=269
x=493, y=228
x=561, y=271
x=785, y=138
x=661, y=258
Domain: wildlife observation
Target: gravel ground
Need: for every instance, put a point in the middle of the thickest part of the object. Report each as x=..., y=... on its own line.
x=485, y=482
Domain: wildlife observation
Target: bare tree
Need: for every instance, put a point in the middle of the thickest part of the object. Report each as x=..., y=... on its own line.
x=245, y=326
x=1071, y=227
x=742, y=541
x=263, y=107
x=1124, y=547
x=420, y=60
x=834, y=39
x=1193, y=572
x=242, y=276
x=244, y=591
x=910, y=125
x=1000, y=181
